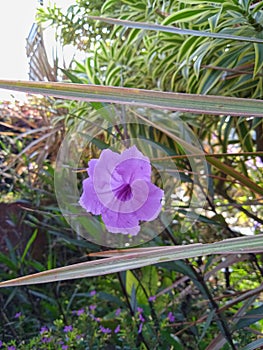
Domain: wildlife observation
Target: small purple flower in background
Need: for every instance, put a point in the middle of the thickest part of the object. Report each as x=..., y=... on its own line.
x=92, y=293
x=12, y=347
x=64, y=347
x=256, y=225
x=152, y=298
x=92, y=307
x=1, y=343
x=139, y=309
x=43, y=330
x=79, y=336
x=80, y=312
x=97, y=319
x=46, y=340
x=118, y=312
x=119, y=188
x=18, y=314
x=105, y=330
x=170, y=317
x=140, y=328
x=117, y=329
x=141, y=318
x=67, y=329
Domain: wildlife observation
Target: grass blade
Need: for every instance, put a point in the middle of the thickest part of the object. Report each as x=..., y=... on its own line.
x=136, y=259
x=174, y=30
x=201, y=104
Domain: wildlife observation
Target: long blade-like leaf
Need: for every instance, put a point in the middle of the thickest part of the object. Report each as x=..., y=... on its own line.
x=123, y=262
x=201, y=104
x=174, y=30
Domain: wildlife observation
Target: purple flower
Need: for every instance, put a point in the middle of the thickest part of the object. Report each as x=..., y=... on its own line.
x=67, y=329
x=92, y=307
x=152, y=298
x=118, y=312
x=140, y=328
x=43, y=330
x=170, y=317
x=92, y=293
x=64, y=347
x=18, y=314
x=97, y=319
x=117, y=329
x=140, y=311
x=80, y=312
x=1, y=343
x=12, y=347
x=119, y=189
x=105, y=330
x=141, y=318
x=46, y=340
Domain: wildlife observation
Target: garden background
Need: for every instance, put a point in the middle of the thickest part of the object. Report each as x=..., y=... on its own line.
x=171, y=64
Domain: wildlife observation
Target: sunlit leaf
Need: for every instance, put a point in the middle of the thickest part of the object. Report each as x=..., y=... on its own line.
x=175, y=101
x=174, y=30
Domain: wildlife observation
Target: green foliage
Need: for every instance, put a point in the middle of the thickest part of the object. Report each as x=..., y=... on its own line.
x=205, y=302
x=133, y=57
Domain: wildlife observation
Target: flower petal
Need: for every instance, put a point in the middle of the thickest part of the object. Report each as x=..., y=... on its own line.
x=89, y=199
x=152, y=206
x=107, y=182
x=121, y=223
x=91, y=166
x=102, y=174
x=133, y=165
x=133, y=169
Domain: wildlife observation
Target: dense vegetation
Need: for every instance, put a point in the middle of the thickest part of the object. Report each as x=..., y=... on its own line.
x=205, y=302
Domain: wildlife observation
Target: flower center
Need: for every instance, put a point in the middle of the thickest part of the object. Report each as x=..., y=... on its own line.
x=123, y=193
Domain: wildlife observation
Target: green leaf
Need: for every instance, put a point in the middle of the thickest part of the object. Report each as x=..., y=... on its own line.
x=257, y=7
x=72, y=77
x=113, y=74
x=139, y=5
x=90, y=72
x=147, y=283
x=213, y=20
x=250, y=317
x=149, y=279
x=245, y=135
x=132, y=285
x=186, y=15
x=227, y=6
x=107, y=5
x=197, y=2
x=174, y=30
x=258, y=58
x=28, y=245
x=8, y=262
x=207, y=324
